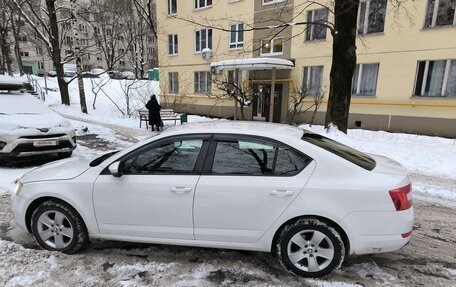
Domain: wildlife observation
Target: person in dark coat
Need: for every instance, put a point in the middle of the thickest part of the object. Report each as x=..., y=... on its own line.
x=154, y=112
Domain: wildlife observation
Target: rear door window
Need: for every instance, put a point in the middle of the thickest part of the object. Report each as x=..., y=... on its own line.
x=256, y=157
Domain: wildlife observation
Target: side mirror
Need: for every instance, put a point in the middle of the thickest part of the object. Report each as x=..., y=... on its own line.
x=115, y=169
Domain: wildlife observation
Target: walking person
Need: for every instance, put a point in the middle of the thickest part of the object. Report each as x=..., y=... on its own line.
x=154, y=112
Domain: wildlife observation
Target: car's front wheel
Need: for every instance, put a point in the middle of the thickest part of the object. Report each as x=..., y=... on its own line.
x=57, y=226
x=310, y=248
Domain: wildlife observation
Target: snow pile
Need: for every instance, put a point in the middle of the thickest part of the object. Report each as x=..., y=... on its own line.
x=6, y=80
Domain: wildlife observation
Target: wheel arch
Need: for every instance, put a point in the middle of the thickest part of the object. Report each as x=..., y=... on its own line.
x=332, y=223
x=34, y=205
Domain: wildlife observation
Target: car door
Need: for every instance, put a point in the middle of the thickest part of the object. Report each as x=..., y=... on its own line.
x=154, y=195
x=246, y=184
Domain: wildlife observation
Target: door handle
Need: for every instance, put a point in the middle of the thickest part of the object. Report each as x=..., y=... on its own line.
x=180, y=189
x=281, y=192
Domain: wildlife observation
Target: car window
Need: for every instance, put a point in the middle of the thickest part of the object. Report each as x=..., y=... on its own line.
x=289, y=162
x=243, y=157
x=175, y=157
x=341, y=150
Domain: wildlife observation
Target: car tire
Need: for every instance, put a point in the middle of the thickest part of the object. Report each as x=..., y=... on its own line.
x=65, y=154
x=310, y=248
x=57, y=226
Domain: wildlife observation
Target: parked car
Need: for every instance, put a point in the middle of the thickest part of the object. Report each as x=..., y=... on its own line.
x=238, y=185
x=28, y=128
x=52, y=74
x=94, y=73
x=116, y=75
x=127, y=75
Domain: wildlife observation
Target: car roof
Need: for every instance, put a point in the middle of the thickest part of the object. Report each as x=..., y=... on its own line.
x=238, y=127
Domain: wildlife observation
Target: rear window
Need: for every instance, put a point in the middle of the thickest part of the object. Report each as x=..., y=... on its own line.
x=345, y=152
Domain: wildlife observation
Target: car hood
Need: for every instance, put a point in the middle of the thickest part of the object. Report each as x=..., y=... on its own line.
x=58, y=170
x=20, y=123
x=386, y=165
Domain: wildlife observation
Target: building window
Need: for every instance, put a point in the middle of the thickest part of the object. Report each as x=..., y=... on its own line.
x=68, y=40
x=235, y=85
x=316, y=31
x=108, y=32
x=203, y=39
x=23, y=38
x=122, y=63
x=312, y=80
x=173, y=44
x=272, y=47
x=173, y=82
x=86, y=56
x=237, y=36
x=99, y=57
x=83, y=28
x=85, y=42
x=68, y=52
x=267, y=2
x=96, y=31
x=436, y=79
x=25, y=54
x=41, y=65
x=203, y=81
x=202, y=3
x=99, y=45
x=365, y=80
x=172, y=7
x=371, y=16
x=39, y=51
x=440, y=13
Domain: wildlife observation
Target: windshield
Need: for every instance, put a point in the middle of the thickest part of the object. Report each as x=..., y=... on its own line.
x=345, y=152
x=102, y=158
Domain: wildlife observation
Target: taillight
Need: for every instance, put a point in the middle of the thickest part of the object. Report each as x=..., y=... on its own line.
x=402, y=197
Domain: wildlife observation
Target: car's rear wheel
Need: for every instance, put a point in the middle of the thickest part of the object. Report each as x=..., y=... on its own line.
x=310, y=248
x=57, y=226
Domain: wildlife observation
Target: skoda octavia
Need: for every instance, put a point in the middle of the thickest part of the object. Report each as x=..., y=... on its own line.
x=238, y=185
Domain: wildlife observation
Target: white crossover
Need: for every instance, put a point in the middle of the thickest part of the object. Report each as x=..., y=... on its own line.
x=28, y=128
x=239, y=185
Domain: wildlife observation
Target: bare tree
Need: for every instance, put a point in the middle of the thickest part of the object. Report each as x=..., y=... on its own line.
x=232, y=89
x=146, y=10
x=5, y=25
x=304, y=100
x=45, y=22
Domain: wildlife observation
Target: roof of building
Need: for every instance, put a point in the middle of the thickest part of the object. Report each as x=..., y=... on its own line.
x=254, y=64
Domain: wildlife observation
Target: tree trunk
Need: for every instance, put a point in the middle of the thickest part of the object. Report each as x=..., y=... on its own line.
x=82, y=97
x=17, y=48
x=343, y=63
x=55, y=52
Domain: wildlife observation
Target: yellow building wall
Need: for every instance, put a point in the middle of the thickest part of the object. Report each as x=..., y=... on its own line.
x=184, y=24
x=398, y=49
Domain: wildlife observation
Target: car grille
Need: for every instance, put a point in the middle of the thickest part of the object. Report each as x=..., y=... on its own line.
x=28, y=147
x=43, y=136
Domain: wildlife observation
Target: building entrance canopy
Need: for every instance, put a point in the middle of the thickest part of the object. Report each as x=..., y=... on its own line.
x=253, y=64
x=256, y=64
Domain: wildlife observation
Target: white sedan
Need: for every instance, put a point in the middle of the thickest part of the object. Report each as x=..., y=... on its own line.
x=239, y=185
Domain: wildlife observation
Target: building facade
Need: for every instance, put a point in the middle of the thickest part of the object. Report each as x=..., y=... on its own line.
x=98, y=34
x=405, y=79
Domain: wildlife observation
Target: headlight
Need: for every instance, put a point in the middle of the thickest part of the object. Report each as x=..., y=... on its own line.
x=18, y=187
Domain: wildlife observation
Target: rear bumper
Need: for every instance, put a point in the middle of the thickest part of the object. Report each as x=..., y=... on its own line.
x=377, y=232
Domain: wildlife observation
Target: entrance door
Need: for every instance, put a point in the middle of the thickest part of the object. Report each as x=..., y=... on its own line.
x=261, y=103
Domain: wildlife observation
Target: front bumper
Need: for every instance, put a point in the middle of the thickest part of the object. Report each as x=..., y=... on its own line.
x=19, y=206
x=24, y=146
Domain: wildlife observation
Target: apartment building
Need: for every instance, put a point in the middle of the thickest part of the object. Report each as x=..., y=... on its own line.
x=96, y=42
x=405, y=78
